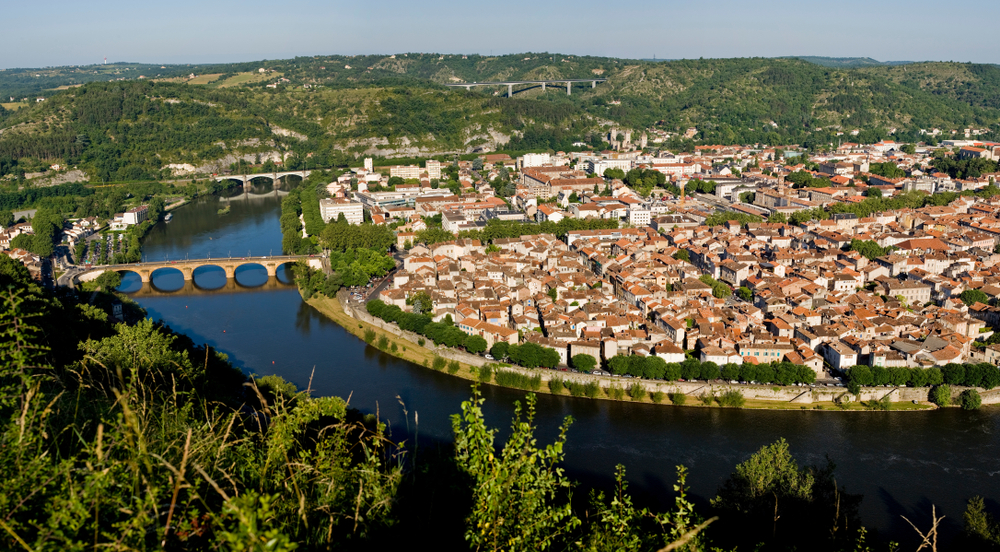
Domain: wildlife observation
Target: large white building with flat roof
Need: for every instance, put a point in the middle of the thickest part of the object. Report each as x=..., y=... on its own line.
x=330, y=209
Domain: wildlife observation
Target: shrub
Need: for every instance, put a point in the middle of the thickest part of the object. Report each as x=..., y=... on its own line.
x=656, y=396
x=454, y=367
x=439, y=363
x=508, y=378
x=485, y=374
x=393, y=347
x=421, y=342
x=556, y=386
x=707, y=399
x=731, y=398
x=881, y=404
x=941, y=395
x=615, y=392
x=369, y=336
x=970, y=399
x=636, y=391
x=590, y=390
x=383, y=342
x=678, y=398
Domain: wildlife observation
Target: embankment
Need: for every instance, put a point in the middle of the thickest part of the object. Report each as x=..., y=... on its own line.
x=356, y=320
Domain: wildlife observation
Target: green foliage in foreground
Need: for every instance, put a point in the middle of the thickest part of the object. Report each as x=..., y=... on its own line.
x=128, y=437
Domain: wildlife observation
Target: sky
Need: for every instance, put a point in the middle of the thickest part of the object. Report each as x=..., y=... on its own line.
x=62, y=32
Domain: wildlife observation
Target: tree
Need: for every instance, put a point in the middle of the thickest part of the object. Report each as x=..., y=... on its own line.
x=745, y=293
x=972, y=296
x=941, y=395
x=422, y=303
x=499, y=350
x=475, y=344
x=869, y=249
x=477, y=164
x=109, y=280
x=683, y=255
x=778, y=218
x=6, y=218
x=553, y=293
x=970, y=399
x=517, y=494
x=767, y=486
x=584, y=363
x=860, y=374
x=22, y=241
x=874, y=192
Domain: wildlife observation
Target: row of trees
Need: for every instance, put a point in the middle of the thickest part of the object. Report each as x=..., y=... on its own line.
x=652, y=367
x=529, y=355
x=984, y=375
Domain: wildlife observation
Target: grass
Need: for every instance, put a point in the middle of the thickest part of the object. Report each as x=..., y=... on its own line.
x=205, y=79
x=246, y=78
x=14, y=106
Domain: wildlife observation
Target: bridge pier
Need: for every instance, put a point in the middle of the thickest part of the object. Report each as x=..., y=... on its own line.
x=272, y=269
x=145, y=275
x=569, y=88
x=593, y=84
x=188, y=272
x=230, y=271
x=510, y=90
x=543, y=87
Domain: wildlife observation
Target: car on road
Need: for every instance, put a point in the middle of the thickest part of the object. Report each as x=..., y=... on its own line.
x=488, y=356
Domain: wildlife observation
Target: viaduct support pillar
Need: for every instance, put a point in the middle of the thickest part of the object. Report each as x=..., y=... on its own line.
x=510, y=90
x=593, y=84
x=188, y=273
x=543, y=87
x=569, y=89
x=272, y=269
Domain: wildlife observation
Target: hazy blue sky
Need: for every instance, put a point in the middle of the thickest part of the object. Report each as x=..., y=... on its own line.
x=62, y=32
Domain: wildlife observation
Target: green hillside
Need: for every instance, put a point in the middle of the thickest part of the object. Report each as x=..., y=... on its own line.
x=131, y=130
x=336, y=108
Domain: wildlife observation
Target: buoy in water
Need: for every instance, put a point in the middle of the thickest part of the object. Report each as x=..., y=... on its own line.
x=223, y=331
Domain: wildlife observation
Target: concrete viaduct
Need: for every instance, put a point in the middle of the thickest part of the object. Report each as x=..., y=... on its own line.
x=274, y=177
x=510, y=84
x=188, y=266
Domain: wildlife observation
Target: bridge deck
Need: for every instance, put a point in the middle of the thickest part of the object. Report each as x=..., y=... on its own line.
x=187, y=266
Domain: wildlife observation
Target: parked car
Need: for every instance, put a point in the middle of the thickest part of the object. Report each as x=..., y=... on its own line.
x=488, y=356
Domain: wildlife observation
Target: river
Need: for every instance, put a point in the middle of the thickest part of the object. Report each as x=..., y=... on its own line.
x=901, y=462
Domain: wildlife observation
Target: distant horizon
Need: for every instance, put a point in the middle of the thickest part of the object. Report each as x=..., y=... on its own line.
x=233, y=31
x=648, y=59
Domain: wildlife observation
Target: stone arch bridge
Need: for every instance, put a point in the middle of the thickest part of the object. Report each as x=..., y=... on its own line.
x=188, y=266
x=274, y=176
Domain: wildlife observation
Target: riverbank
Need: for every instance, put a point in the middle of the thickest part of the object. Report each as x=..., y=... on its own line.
x=693, y=394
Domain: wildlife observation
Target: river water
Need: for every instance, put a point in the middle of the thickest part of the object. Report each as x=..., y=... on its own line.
x=901, y=462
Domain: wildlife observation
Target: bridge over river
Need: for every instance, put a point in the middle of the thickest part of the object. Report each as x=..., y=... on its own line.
x=188, y=266
x=511, y=83
x=273, y=176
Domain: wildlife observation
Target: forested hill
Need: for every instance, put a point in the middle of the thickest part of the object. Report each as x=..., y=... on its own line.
x=338, y=108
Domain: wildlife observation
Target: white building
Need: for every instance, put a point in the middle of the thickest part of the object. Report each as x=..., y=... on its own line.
x=368, y=164
x=433, y=170
x=136, y=215
x=639, y=216
x=598, y=166
x=535, y=160
x=331, y=208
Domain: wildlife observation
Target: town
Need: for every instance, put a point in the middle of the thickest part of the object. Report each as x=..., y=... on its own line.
x=734, y=254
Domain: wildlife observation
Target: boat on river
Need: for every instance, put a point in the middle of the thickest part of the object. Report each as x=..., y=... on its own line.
x=168, y=217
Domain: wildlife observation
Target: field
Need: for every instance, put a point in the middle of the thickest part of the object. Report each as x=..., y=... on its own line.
x=204, y=79
x=245, y=78
x=14, y=106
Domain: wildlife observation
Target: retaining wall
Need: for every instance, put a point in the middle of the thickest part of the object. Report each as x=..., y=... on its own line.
x=796, y=394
